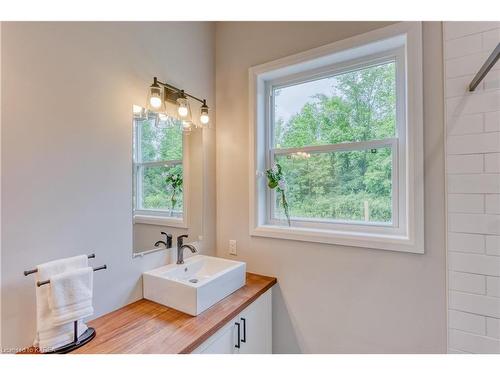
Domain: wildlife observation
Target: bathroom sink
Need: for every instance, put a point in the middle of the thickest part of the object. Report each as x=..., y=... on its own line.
x=196, y=285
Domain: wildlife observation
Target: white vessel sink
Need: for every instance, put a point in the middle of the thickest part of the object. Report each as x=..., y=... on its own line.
x=196, y=285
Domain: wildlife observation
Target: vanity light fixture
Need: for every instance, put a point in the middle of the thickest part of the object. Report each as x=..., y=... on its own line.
x=161, y=92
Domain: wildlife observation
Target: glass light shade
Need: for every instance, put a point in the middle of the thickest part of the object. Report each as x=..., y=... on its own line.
x=204, y=118
x=183, y=108
x=171, y=109
x=155, y=102
x=187, y=126
x=155, y=98
x=137, y=109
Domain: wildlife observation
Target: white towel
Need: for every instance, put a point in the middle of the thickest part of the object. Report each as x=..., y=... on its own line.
x=48, y=336
x=71, y=295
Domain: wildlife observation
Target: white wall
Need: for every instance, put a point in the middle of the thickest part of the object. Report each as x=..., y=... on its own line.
x=473, y=188
x=67, y=94
x=332, y=299
x=0, y=184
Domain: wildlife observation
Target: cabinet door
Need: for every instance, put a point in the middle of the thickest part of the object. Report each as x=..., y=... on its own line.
x=256, y=326
x=221, y=342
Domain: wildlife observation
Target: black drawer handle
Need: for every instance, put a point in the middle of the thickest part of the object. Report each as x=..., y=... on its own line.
x=238, y=345
x=244, y=339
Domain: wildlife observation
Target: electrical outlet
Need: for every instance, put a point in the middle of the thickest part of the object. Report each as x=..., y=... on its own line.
x=232, y=247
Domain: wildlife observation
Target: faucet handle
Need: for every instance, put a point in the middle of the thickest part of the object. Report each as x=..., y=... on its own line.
x=168, y=239
x=180, y=239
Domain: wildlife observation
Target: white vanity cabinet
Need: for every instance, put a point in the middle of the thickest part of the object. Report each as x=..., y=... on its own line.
x=250, y=332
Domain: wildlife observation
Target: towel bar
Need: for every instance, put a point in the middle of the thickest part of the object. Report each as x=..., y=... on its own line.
x=35, y=270
x=40, y=283
x=488, y=64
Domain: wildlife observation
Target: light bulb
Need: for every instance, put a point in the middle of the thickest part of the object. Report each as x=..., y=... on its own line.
x=204, y=118
x=183, y=109
x=155, y=96
x=155, y=102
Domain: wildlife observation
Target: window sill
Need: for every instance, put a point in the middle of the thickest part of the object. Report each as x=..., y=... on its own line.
x=355, y=239
x=158, y=220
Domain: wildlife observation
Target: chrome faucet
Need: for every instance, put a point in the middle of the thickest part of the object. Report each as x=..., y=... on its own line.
x=181, y=247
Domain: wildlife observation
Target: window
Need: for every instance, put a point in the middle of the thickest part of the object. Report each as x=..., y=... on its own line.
x=158, y=170
x=343, y=123
x=335, y=138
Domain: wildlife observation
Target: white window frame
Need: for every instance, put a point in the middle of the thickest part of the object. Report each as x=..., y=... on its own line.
x=158, y=217
x=401, y=43
x=394, y=143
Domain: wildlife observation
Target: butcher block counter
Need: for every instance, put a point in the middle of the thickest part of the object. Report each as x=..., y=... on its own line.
x=148, y=327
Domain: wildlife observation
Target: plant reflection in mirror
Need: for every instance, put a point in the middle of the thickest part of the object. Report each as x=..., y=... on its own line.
x=276, y=180
x=174, y=184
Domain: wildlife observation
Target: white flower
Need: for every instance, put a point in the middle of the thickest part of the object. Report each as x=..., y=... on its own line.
x=274, y=169
x=282, y=184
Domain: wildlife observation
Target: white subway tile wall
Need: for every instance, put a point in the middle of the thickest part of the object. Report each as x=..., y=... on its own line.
x=492, y=121
x=492, y=163
x=493, y=245
x=493, y=327
x=493, y=286
x=466, y=243
x=467, y=282
x=466, y=203
x=460, y=164
x=467, y=322
x=473, y=174
x=492, y=203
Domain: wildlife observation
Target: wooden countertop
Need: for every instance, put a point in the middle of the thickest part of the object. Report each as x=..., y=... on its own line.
x=148, y=327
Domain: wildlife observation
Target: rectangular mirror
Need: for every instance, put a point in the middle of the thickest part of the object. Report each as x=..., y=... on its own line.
x=167, y=181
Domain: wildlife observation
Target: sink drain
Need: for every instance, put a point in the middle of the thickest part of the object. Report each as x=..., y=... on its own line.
x=194, y=281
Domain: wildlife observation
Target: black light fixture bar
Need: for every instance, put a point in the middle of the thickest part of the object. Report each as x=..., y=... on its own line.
x=179, y=91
